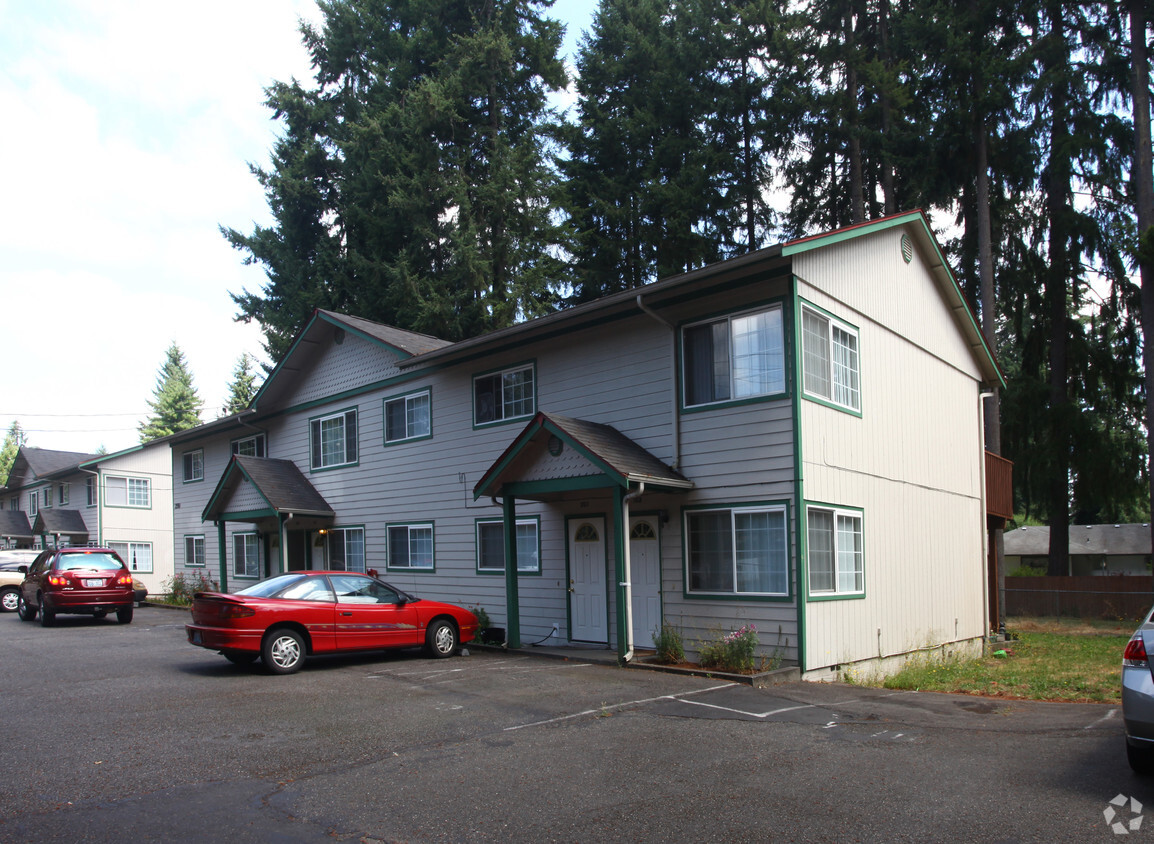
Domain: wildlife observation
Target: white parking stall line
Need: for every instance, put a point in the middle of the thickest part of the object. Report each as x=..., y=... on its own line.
x=616, y=706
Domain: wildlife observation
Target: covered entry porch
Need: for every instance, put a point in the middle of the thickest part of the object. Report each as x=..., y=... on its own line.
x=288, y=517
x=562, y=460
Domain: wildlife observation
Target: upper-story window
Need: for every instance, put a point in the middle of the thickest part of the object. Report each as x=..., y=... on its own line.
x=737, y=357
x=501, y=396
x=127, y=492
x=408, y=417
x=193, y=466
x=249, y=446
x=333, y=439
x=830, y=359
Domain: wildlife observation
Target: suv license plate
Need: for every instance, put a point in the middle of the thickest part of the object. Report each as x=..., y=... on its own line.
x=94, y=583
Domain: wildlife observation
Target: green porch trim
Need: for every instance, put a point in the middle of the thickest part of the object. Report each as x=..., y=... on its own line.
x=512, y=597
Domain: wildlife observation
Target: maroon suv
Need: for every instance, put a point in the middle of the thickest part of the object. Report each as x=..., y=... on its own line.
x=86, y=581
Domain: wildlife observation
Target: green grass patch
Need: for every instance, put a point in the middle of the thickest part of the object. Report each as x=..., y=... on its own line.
x=1059, y=660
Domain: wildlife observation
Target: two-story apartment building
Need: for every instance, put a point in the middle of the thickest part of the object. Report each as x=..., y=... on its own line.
x=790, y=439
x=121, y=501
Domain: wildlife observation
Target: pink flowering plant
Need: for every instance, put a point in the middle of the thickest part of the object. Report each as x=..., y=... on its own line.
x=731, y=652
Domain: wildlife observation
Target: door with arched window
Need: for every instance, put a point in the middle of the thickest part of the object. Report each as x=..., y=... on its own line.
x=645, y=579
x=587, y=595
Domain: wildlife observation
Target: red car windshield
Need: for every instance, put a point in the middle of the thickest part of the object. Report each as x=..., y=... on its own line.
x=88, y=562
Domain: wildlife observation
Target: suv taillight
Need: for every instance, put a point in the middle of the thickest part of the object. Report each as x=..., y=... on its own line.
x=1135, y=654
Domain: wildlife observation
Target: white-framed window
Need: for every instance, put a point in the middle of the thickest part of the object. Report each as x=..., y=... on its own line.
x=505, y=395
x=136, y=555
x=737, y=357
x=91, y=491
x=491, y=546
x=245, y=555
x=62, y=495
x=194, y=551
x=411, y=547
x=738, y=551
x=333, y=439
x=34, y=502
x=193, y=466
x=834, y=540
x=408, y=417
x=345, y=549
x=127, y=492
x=830, y=365
x=253, y=446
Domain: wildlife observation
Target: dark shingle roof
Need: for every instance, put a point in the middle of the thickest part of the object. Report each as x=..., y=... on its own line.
x=14, y=523
x=1096, y=540
x=52, y=520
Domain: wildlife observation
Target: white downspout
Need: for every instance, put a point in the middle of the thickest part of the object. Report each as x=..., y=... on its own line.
x=628, y=574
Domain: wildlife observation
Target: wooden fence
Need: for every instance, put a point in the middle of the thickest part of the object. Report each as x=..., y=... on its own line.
x=1116, y=596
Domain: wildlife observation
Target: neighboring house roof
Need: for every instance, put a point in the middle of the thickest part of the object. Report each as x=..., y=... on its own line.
x=36, y=464
x=1093, y=540
x=64, y=522
x=605, y=448
x=280, y=483
x=14, y=524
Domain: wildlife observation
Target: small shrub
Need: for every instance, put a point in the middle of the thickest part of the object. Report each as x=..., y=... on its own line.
x=731, y=652
x=181, y=587
x=670, y=648
x=1027, y=571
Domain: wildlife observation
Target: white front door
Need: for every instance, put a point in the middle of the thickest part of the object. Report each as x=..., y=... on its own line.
x=645, y=579
x=587, y=596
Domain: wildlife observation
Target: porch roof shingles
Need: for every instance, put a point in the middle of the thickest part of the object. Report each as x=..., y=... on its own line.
x=65, y=522
x=14, y=523
x=280, y=482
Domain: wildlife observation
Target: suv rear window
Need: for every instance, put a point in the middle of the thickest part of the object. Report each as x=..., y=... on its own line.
x=91, y=562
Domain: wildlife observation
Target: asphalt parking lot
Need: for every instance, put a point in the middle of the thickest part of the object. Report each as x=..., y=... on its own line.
x=128, y=733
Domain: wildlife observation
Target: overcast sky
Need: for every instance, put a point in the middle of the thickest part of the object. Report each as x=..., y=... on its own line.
x=128, y=129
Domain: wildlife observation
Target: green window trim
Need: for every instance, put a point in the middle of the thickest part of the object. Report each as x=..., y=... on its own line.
x=411, y=547
x=734, y=358
x=505, y=395
x=333, y=440
x=836, y=533
x=741, y=532
x=408, y=414
x=489, y=535
x=830, y=350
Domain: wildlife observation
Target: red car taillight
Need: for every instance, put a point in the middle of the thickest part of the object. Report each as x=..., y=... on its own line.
x=1135, y=653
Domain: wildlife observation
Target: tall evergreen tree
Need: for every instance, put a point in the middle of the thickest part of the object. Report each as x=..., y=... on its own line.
x=175, y=404
x=411, y=183
x=244, y=385
x=13, y=441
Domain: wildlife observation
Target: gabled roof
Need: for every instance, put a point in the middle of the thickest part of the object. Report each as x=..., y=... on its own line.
x=280, y=484
x=64, y=522
x=36, y=464
x=609, y=453
x=14, y=524
x=1094, y=540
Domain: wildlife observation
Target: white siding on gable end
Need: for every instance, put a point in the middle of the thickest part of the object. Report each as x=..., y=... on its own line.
x=911, y=462
x=351, y=364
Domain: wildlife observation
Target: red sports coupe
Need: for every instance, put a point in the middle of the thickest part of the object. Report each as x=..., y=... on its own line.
x=287, y=617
